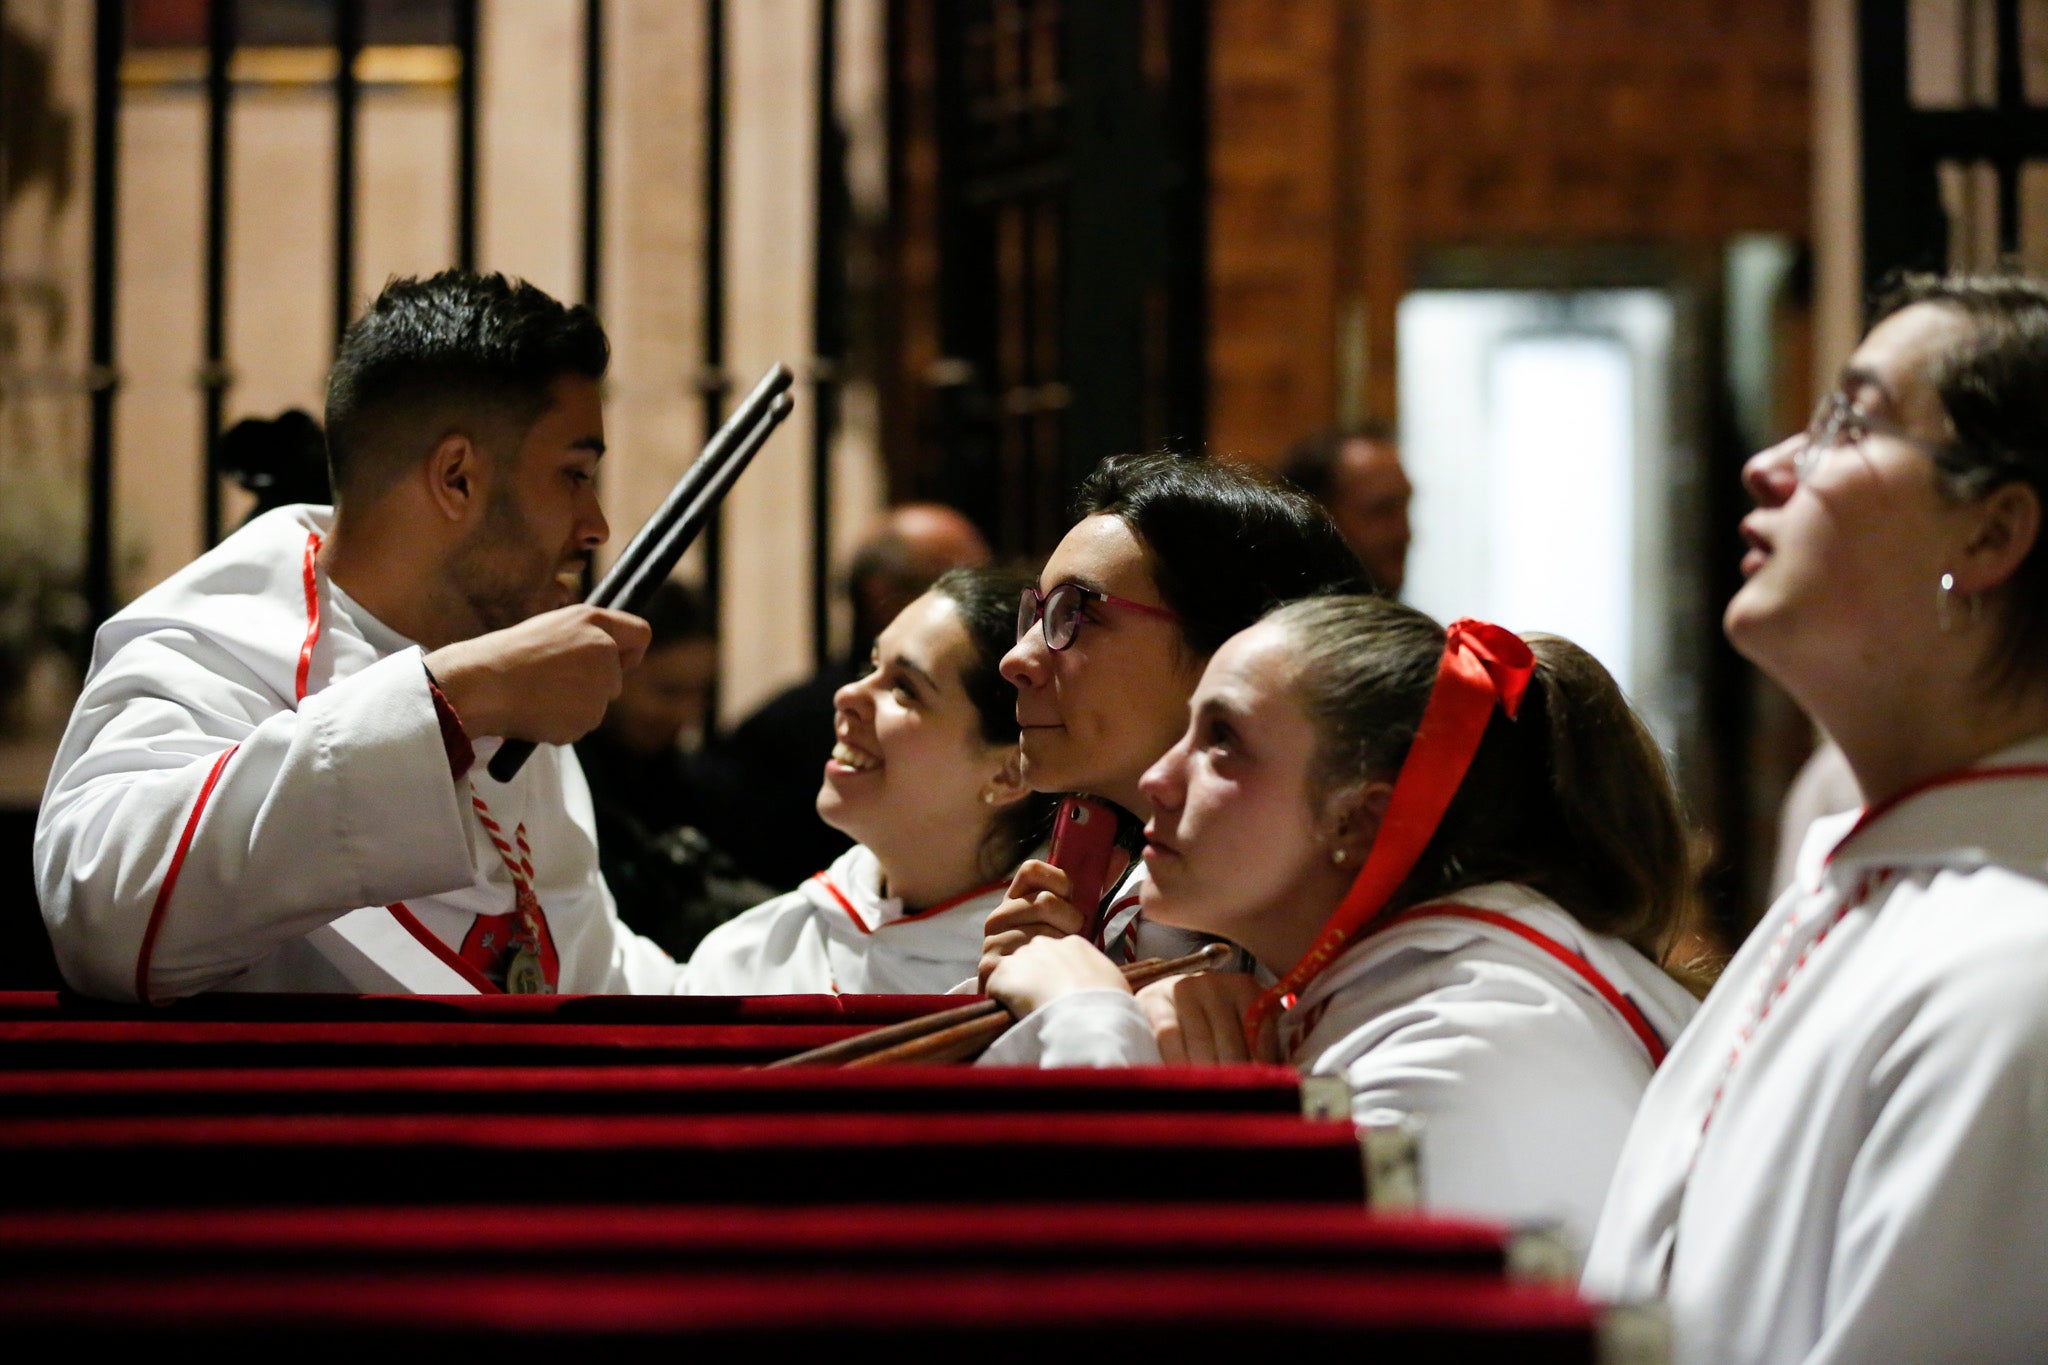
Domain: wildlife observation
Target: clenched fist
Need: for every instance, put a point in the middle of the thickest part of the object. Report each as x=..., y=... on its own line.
x=547, y=679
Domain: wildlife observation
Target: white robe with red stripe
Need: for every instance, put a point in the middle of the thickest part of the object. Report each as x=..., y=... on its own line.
x=1861, y=1173
x=204, y=828
x=839, y=933
x=1521, y=1075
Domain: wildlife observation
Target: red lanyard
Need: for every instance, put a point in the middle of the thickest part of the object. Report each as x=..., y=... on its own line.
x=844, y=904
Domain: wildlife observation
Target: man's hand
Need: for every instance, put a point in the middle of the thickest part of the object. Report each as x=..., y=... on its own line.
x=1039, y=973
x=1199, y=1020
x=1036, y=907
x=547, y=679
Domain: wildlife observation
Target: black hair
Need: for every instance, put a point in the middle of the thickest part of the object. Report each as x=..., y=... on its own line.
x=1227, y=542
x=985, y=599
x=677, y=613
x=1310, y=464
x=1994, y=387
x=450, y=352
x=281, y=459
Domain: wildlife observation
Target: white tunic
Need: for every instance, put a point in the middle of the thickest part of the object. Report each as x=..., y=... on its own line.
x=1521, y=1074
x=1862, y=1172
x=204, y=828
x=838, y=933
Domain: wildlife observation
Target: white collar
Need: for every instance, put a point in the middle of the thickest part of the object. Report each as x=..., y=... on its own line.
x=1992, y=814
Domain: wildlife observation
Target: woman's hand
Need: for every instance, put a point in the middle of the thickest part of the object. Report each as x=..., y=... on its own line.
x=1036, y=907
x=1037, y=973
x=1199, y=1020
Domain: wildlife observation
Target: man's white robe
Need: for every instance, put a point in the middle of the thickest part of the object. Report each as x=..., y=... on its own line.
x=1846, y=1157
x=205, y=828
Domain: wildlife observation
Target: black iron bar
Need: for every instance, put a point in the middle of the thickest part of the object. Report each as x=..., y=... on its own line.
x=2012, y=97
x=713, y=384
x=106, y=142
x=593, y=152
x=656, y=547
x=465, y=134
x=828, y=267
x=213, y=375
x=348, y=45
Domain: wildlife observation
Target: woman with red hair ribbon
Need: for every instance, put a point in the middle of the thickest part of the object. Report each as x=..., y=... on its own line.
x=1456, y=856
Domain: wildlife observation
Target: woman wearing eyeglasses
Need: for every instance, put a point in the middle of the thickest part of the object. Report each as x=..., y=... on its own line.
x=1846, y=1157
x=926, y=776
x=1170, y=557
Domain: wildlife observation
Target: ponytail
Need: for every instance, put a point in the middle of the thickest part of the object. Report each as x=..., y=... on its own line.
x=1572, y=798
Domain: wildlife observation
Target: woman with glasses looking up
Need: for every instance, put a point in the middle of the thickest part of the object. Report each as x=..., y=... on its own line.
x=1169, y=557
x=1844, y=1158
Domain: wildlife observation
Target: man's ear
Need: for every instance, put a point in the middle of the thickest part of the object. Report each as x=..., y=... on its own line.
x=1007, y=786
x=458, y=477
x=2006, y=524
x=1351, y=821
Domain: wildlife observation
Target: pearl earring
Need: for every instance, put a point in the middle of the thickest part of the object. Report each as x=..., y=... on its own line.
x=988, y=798
x=1337, y=856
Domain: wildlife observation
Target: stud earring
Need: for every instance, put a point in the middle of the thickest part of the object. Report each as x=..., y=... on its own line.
x=1337, y=857
x=1945, y=596
x=988, y=798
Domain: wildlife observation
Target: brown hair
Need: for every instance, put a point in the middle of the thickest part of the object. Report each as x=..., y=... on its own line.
x=1994, y=387
x=1572, y=798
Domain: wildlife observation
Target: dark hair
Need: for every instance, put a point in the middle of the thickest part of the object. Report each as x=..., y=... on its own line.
x=1571, y=798
x=281, y=459
x=1994, y=387
x=1226, y=542
x=986, y=601
x=677, y=613
x=451, y=351
x=1310, y=464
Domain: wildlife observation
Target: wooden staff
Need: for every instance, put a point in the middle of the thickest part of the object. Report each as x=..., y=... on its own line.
x=655, y=549
x=961, y=1034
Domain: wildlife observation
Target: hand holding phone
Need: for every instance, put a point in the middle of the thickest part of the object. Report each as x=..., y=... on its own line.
x=1083, y=841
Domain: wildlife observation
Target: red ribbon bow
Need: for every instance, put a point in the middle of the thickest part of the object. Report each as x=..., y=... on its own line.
x=1483, y=665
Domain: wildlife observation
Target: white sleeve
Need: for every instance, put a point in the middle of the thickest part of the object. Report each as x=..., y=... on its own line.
x=1943, y=1230
x=1088, y=1028
x=191, y=825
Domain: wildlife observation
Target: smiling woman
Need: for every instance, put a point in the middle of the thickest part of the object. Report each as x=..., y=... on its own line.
x=925, y=773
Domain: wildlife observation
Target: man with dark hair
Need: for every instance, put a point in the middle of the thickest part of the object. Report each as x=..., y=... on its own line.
x=1355, y=473
x=273, y=779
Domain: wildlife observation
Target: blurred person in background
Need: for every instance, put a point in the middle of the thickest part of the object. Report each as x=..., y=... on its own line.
x=1355, y=473
x=669, y=881
x=760, y=783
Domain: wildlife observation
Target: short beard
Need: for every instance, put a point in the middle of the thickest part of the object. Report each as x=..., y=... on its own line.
x=490, y=573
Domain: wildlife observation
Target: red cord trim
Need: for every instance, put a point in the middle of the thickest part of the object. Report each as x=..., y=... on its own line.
x=926, y=913
x=312, y=615
x=1625, y=1007
x=163, y=893
x=434, y=945
x=1872, y=814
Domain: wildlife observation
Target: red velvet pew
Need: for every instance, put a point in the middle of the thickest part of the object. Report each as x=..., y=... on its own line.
x=1006, y=1314
x=645, y=1089
x=904, y=1237
x=768, y=1158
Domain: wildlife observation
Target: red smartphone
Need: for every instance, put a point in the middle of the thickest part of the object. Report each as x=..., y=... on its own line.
x=1083, y=840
